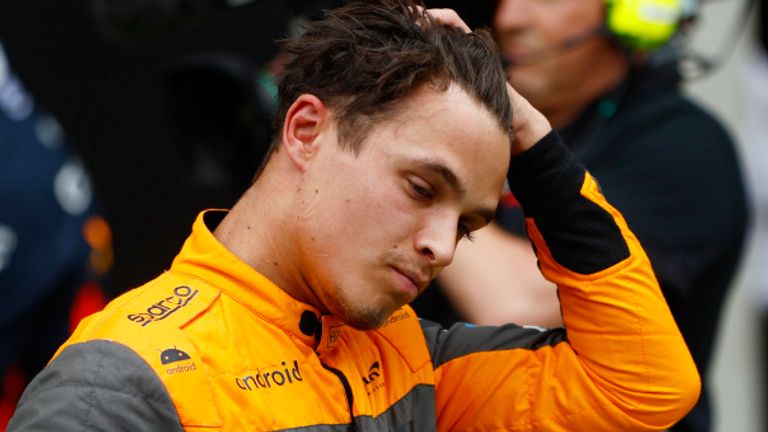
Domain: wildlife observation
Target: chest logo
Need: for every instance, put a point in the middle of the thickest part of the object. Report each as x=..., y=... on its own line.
x=179, y=359
x=173, y=355
x=374, y=381
x=277, y=377
x=164, y=308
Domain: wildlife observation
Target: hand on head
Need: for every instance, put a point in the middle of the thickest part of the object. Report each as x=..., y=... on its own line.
x=528, y=124
x=448, y=17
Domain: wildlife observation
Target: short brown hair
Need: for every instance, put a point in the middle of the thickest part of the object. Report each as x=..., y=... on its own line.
x=363, y=58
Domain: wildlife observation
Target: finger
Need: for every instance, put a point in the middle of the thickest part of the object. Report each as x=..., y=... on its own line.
x=448, y=17
x=528, y=124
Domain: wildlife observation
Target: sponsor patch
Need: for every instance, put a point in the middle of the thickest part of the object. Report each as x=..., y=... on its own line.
x=164, y=308
x=397, y=316
x=179, y=359
x=374, y=381
x=275, y=377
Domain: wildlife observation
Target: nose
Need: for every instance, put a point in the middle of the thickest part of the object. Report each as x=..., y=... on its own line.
x=511, y=15
x=437, y=241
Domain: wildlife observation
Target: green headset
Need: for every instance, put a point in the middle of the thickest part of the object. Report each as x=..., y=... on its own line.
x=643, y=25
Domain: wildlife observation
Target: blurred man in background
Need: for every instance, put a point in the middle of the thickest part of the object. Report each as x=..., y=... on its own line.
x=667, y=165
x=177, y=89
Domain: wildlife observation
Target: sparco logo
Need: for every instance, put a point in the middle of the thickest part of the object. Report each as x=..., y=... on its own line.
x=165, y=307
x=274, y=378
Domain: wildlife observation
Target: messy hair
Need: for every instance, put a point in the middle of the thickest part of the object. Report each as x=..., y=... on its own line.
x=364, y=58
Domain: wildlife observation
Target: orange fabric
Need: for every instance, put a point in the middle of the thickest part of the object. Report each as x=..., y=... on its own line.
x=626, y=367
x=249, y=364
x=227, y=344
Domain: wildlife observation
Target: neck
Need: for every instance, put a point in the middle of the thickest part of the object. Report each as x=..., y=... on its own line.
x=562, y=115
x=257, y=230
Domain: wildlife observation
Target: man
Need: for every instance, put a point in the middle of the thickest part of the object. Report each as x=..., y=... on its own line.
x=289, y=312
x=669, y=167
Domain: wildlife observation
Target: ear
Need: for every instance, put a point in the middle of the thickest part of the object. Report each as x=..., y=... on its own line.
x=304, y=120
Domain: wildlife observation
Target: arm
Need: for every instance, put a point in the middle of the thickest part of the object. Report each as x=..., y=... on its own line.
x=96, y=386
x=494, y=280
x=512, y=290
x=622, y=365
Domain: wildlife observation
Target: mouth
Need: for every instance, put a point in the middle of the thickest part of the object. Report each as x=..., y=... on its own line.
x=415, y=282
x=522, y=57
x=519, y=51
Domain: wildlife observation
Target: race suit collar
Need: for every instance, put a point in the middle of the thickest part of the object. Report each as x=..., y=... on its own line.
x=205, y=258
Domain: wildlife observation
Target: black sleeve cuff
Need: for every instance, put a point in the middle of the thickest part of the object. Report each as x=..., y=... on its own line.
x=547, y=180
x=545, y=174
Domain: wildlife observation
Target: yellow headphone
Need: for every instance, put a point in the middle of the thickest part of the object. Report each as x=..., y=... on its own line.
x=643, y=24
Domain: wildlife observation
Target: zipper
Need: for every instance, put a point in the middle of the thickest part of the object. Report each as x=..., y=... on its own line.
x=347, y=391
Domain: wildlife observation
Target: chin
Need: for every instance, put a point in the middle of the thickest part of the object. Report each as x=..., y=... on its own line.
x=362, y=309
x=365, y=320
x=363, y=317
x=365, y=325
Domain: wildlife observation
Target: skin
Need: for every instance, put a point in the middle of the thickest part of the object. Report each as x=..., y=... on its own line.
x=359, y=236
x=558, y=82
x=494, y=279
x=529, y=125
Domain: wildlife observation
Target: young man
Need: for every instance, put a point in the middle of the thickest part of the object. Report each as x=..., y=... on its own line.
x=667, y=165
x=289, y=312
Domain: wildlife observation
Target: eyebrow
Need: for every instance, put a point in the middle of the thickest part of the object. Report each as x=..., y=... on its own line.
x=439, y=168
x=443, y=171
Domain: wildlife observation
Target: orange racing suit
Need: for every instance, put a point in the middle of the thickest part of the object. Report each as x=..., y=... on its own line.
x=213, y=345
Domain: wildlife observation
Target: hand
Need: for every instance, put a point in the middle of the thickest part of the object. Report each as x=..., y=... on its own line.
x=528, y=124
x=448, y=17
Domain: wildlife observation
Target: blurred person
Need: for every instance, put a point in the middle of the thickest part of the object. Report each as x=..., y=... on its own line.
x=183, y=134
x=393, y=138
x=665, y=163
x=55, y=248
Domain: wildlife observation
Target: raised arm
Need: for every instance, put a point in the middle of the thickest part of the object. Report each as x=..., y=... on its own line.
x=621, y=363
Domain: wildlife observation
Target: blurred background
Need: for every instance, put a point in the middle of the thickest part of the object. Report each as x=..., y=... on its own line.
x=736, y=93
x=160, y=145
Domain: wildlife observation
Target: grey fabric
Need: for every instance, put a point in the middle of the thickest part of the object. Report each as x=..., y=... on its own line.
x=96, y=386
x=415, y=412
x=463, y=339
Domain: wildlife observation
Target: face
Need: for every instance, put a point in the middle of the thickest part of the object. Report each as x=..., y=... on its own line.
x=376, y=227
x=533, y=34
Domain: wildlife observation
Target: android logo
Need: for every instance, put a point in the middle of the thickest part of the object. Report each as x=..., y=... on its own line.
x=172, y=355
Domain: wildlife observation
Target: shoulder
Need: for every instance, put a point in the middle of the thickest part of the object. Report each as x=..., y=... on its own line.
x=96, y=385
x=163, y=305
x=149, y=322
x=661, y=147
x=404, y=333
x=670, y=115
